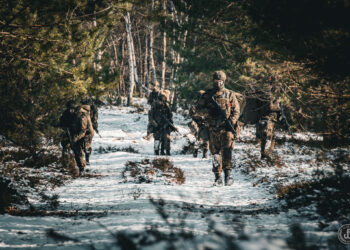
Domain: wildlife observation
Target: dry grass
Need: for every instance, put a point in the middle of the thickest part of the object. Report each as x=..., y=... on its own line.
x=146, y=171
x=288, y=189
x=129, y=149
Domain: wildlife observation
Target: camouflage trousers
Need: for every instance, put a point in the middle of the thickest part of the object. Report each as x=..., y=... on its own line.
x=79, y=154
x=221, y=143
x=162, y=142
x=81, y=149
x=87, y=146
x=202, y=135
x=67, y=156
x=203, y=139
x=265, y=131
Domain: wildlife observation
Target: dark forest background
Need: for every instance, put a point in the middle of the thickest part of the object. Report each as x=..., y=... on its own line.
x=54, y=51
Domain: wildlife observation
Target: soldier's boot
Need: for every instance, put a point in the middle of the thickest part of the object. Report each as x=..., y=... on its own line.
x=205, y=153
x=228, y=177
x=217, y=168
x=81, y=171
x=218, y=179
x=262, y=148
x=156, y=147
x=162, y=150
x=167, y=151
x=195, y=153
x=87, y=156
x=148, y=136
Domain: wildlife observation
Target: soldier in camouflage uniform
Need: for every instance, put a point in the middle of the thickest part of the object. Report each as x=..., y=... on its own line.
x=93, y=117
x=153, y=97
x=159, y=117
x=200, y=129
x=82, y=134
x=221, y=140
x=268, y=112
x=77, y=126
x=66, y=122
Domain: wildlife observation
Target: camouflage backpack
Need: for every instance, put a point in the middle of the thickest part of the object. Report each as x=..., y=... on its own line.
x=241, y=100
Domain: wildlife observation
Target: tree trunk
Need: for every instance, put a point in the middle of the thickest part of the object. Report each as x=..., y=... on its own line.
x=162, y=86
x=145, y=72
x=154, y=74
x=131, y=62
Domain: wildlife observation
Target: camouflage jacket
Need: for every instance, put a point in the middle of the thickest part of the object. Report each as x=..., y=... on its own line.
x=153, y=96
x=208, y=109
x=67, y=119
x=83, y=124
x=159, y=113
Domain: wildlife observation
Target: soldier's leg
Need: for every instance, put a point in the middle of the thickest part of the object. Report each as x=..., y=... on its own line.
x=270, y=136
x=88, y=149
x=205, y=144
x=79, y=155
x=162, y=143
x=167, y=143
x=157, y=137
x=214, y=145
x=227, y=145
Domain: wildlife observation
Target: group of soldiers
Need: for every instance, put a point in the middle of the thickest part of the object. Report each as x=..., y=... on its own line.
x=79, y=123
x=215, y=123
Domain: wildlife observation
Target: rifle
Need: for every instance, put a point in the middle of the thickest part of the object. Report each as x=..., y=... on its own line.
x=69, y=137
x=169, y=124
x=222, y=113
x=95, y=128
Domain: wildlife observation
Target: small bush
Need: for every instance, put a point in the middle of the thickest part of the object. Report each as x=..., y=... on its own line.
x=138, y=109
x=9, y=195
x=147, y=171
x=129, y=149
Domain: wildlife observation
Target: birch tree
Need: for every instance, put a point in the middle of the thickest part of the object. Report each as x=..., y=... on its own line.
x=153, y=68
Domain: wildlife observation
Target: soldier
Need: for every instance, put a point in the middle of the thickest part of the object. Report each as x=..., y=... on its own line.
x=268, y=113
x=161, y=119
x=93, y=117
x=82, y=134
x=200, y=129
x=67, y=121
x=220, y=109
x=153, y=96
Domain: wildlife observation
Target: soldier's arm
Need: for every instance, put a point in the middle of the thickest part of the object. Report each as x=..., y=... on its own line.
x=84, y=127
x=151, y=118
x=235, y=111
x=90, y=127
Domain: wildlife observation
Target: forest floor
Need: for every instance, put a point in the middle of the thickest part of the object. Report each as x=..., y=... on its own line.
x=131, y=199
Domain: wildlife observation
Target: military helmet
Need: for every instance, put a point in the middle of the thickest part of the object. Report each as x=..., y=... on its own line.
x=86, y=101
x=219, y=75
x=71, y=104
x=166, y=95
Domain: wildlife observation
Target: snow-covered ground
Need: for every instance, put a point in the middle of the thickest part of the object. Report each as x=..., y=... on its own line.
x=107, y=204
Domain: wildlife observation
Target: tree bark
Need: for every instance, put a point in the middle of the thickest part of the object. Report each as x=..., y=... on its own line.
x=131, y=62
x=162, y=86
x=153, y=68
